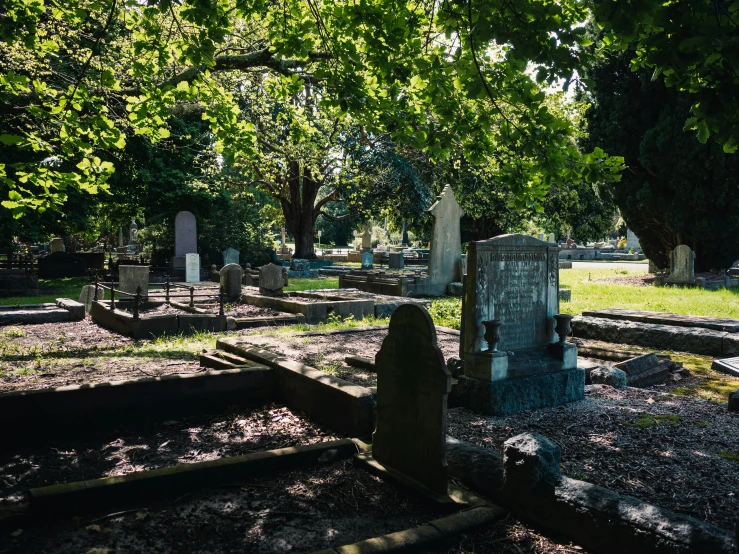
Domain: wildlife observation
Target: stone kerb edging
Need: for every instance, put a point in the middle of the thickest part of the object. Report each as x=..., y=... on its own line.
x=36, y=414
x=526, y=480
x=696, y=340
x=63, y=310
x=340, y=405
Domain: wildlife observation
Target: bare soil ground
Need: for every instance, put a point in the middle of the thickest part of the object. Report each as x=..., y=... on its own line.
x=187, y=440
x=327, y=352
x=678, y=453
x=298, y=511
x=247, y=310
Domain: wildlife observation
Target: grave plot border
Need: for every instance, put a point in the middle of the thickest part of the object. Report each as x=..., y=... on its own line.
x=469, y=512
x=62, y=311
x=248, y=322
x=37, y=415
x=314, y=312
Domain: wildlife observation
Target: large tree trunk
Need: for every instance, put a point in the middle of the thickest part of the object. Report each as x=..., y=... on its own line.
x=299, y=210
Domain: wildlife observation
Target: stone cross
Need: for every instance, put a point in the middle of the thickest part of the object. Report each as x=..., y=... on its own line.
x=366, y=237
x=185, y=234
x=412, y=387
x=446, y=241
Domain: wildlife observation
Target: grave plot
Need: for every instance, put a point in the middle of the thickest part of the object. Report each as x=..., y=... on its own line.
x=314, y=307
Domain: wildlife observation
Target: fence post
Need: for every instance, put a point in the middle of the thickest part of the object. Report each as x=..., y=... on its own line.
x=166, y=290
x=112, y=296
x=192, y=297
x=220, y=302
x=95, y=296
x=136, y=300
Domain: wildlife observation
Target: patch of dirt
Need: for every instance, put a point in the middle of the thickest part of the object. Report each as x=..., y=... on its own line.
x=187, y=440
x=163, y=309
x=678, y=453
x=247, y=310
x=76, y=353
x=302, y=511
x=327, y=352
x=629, y=280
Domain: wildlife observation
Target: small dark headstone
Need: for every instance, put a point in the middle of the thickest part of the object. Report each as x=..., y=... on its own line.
x=734, y=401
x=645, y=370
x=412, y=387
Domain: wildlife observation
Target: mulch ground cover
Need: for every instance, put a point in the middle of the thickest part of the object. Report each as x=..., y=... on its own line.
x=676, y=452
x=297, y=511
x=186, y=440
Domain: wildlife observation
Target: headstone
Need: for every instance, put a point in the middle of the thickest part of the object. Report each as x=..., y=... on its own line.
x=463, y=266
x=446, y=243
x=552, y=239
x=514, y=360
x=185, y=234
x=57, y=245
x=367, y=259
x=87, y=295
x=727, y=365
x=231, y=277
x=396, y=260
x=130, y=277
x=300, y=268
x=366, y=237
x=632, y=241
x=230, y=256
x=412, y=387
x=271, y=280
x=192, y=268
x=541, y=236
x=133, y=232
x=682, y=265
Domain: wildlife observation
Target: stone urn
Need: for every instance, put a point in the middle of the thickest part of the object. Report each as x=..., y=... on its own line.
x=563, y=327
x=492, y=334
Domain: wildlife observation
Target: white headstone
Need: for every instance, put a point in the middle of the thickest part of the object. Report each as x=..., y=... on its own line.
x=192, y=268
x=551, y=238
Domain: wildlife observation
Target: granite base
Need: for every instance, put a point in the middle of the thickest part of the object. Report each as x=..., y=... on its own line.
x=511, y=396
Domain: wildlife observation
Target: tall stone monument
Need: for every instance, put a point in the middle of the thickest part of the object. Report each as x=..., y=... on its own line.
x=366, y=237
x=185, y=242
x=133, y=233
x=412, y=388
x=682, y=266
x=446, y=245
x=514, y=359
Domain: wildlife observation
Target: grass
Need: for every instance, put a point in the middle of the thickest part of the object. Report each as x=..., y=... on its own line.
x=68, y=287
x=589, y=295
x=308, y=284
x=731, y=456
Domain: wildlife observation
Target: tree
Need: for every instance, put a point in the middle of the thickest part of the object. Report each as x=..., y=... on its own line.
x=694, y=46
x=676, y=189
x=435, y=76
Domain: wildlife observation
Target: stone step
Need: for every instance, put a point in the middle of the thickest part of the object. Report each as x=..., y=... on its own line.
x=220, y=359
x=360, y=362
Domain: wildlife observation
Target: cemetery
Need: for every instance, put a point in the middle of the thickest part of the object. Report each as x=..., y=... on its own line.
x=377, y=277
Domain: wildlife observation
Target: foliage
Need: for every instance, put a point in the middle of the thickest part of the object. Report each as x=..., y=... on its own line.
x=692, y=44
x=78, y=77
x=677, y=190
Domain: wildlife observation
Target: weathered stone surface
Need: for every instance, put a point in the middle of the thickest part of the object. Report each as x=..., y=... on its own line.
x=513, y=278
x=510, y=396
x=367, y=260
x=300, y=268
x=88, y=293
x=455, y=289
x=681, y=320
x=185, y=234
x=734, y=401
x=31, y=316
x=727, y=365
x=412, y=387
x=56, y=245
x=565, y=265
x=192, y=268
x=76, y=309
x=639, y=364
x=230, y=256
x=530, y=460
x=682, y=265
x=446, y=240
x=230, y=278
x=271, y=281
x=632, y=241
x=662, y=337
x=366, y=236
x=130, y=277
x=396, y=260
x=611, y=376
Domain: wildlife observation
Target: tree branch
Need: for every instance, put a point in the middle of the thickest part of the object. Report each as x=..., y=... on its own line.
x=334, y=217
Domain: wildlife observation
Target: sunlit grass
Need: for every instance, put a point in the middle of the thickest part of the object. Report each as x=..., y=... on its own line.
x=68, y=287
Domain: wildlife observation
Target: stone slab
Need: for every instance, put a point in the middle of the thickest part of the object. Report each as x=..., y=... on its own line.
x=510, y=396
x=76, y=310
x=727, y=365
x=651, y=335
x=680, y=320
x=29, y=317
x=446, y=240
x=185, y=234
x=88, y=293
x=130, y=277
